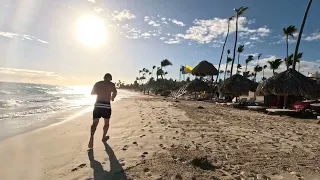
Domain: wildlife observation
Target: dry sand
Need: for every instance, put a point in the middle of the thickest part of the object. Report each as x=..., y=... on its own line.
x=153, y=138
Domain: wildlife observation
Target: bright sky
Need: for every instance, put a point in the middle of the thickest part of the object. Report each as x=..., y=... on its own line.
x=77, y=41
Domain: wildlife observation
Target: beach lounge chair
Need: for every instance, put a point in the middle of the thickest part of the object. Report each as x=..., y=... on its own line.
x=280, y=111
x=241, y=101
x=250, y=102
x=257, y=108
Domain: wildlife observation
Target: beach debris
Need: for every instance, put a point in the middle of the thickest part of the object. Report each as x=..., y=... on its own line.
x=200, y=107
x=176, y=101
x=80, y=166
x=202, y=163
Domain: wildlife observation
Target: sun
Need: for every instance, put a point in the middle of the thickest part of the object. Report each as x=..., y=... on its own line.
x=91, y=30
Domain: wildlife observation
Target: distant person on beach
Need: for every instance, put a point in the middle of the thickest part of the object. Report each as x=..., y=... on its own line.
x=106, y=91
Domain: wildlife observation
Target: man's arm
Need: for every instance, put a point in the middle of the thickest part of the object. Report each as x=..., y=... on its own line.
x=114, y=92
x=93, y=92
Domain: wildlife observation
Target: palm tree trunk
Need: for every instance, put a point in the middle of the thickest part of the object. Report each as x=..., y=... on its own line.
x=246, y=67
x=235, y=46
x=225, y=72
x=225, y=42
x=287, y=60
x=300, y=34
x=298, y=67
x=238, y=62
x=273, y=71
x=263, y=73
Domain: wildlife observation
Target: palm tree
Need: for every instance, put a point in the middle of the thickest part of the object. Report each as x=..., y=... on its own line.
x=275, y=64
x=160, y=72
x=263, y=68
x=140, y=71
x=165, y=63
x=256, y=69
x=249, y=59
x=153, y=67
x=298, y=57
x=239, y=12
x=226, y=70
x=259, y=55
x=289, y=31
x=240, y=50
x=224, y=44
x=221, y=71
x=300, y=34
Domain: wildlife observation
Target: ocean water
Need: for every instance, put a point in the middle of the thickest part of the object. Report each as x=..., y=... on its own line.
x=24, y=107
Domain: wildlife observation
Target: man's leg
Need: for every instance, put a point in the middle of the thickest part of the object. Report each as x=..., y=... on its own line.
x=105, y=130
x=93, y=130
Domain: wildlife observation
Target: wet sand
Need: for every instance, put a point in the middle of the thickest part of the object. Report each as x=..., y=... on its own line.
x=155, y=138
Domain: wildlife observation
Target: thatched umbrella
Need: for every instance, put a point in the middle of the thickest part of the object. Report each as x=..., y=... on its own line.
x=204, y=68
x=237, y=85
x=197, y=85
x=289, y=82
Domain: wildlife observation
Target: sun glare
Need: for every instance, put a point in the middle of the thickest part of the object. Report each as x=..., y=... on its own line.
x=91, y=30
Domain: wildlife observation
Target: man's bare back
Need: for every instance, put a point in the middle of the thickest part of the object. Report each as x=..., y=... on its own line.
x=105, y=90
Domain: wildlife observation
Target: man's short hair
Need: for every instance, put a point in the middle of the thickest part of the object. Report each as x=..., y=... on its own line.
x=108, y=77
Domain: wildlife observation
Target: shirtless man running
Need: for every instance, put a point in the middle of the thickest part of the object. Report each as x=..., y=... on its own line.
x=106, y=92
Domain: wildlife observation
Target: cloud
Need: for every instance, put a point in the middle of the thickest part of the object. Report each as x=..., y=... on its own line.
x=173, y=41
x=98, y=9
x=146, y=18
x=283, y=39
x=26, y=75
x=122, y=15
x=206, y=31
x=313, y=37
x=163, y=38
x=152, y=23
x=146, y=35
x=21, y=37
x=179, y=23
x=93, y=1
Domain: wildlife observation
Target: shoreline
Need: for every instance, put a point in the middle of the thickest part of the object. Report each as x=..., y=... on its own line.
x=158, y=138
x=50, y=119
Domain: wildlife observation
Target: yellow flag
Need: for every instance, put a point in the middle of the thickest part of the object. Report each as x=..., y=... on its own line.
x=188, y=69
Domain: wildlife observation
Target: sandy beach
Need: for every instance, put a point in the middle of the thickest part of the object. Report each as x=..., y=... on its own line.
x=156, y=138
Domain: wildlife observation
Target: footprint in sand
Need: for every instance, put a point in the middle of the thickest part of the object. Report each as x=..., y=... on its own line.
x=161, y=137
x=79, y=167
x=135, y=143
x=144, y=154
x=125, y=147
x=142, y=135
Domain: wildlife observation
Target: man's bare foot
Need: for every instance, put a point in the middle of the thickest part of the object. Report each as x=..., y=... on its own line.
x=105, y=138
x=90, y=145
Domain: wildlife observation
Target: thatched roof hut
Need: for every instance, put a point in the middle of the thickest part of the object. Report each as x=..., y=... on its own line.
x=237, y=85
x=197, y=85
x=204, y=68
x=289, y=82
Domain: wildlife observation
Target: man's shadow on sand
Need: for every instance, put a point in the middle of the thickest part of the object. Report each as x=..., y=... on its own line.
x=116, y=171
